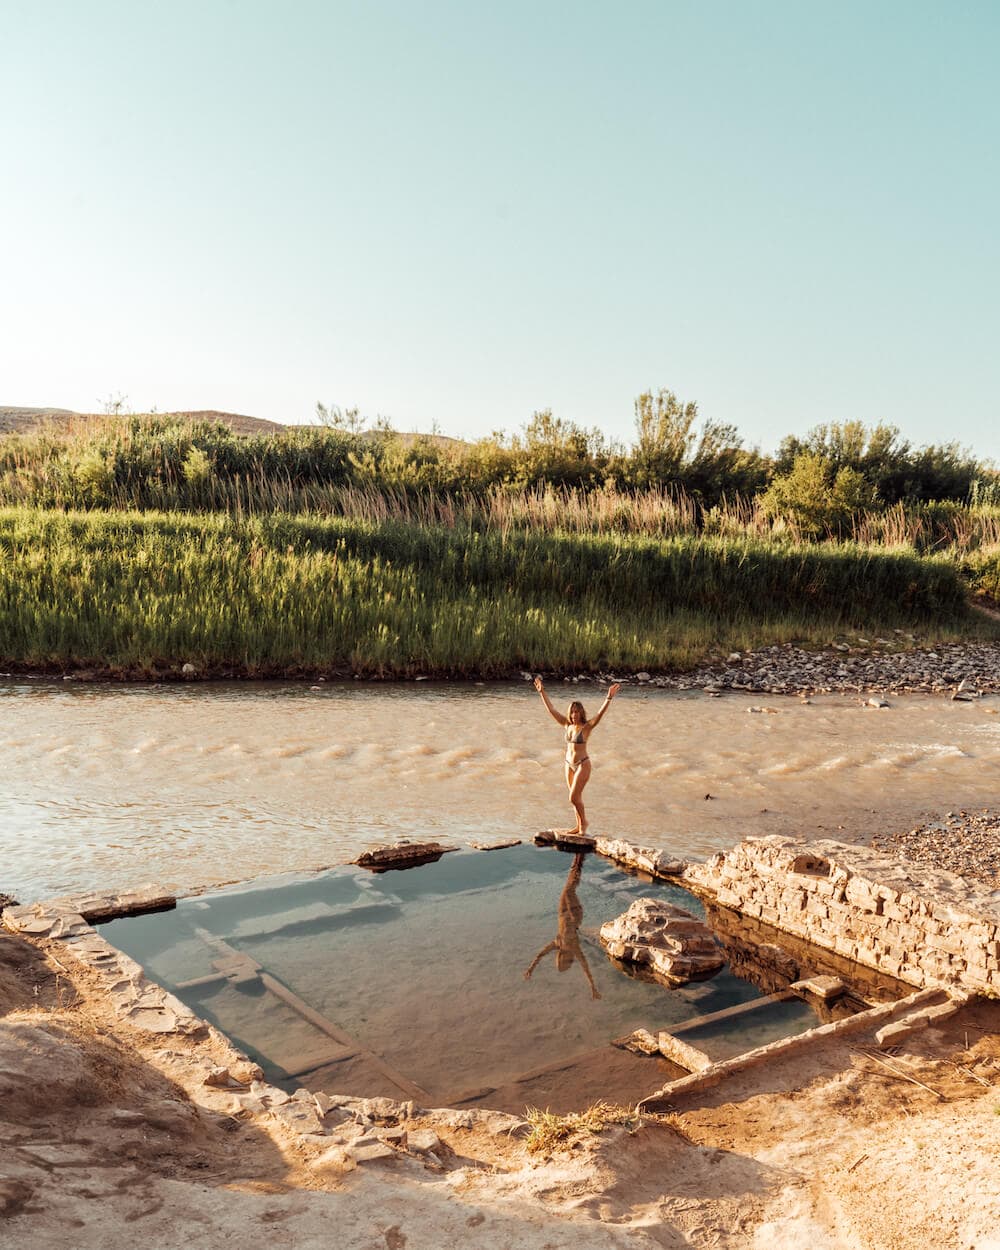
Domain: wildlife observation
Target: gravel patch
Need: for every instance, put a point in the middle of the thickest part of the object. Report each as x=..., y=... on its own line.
x=967, y=843
x=888, y=665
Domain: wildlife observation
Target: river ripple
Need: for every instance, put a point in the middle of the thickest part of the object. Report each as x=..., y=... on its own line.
x=199, y=784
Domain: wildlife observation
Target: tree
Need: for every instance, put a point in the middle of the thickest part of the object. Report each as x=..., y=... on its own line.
x=664, y=430
x=816, y=497
x=349, y=420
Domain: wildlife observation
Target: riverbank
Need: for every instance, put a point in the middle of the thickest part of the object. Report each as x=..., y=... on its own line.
x=155, y=595
x=967, y=843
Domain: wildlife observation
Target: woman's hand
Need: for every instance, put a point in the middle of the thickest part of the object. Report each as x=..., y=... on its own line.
x=613, y=690
x=539, y=685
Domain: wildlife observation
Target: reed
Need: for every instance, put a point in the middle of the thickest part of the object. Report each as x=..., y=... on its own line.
x=279, y=594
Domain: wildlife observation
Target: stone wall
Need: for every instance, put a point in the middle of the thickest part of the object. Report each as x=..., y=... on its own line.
x=772, y=959
x=935, y=929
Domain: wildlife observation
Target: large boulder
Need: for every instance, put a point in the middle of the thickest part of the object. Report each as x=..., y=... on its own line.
x=665, y=939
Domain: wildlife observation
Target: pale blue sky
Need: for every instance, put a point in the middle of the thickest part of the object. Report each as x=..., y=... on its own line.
x=464, y=212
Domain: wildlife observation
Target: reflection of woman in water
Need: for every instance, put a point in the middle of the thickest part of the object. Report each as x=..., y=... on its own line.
x=578, y=730
x=567, y=941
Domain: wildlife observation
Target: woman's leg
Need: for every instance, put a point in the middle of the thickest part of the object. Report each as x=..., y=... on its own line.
x=580, y=778
x=570, y=778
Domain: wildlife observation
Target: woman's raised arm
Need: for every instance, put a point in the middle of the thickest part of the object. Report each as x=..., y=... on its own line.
x=612, y=691
x=558, y=716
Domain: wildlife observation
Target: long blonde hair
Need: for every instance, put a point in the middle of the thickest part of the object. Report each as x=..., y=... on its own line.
x=572, y=708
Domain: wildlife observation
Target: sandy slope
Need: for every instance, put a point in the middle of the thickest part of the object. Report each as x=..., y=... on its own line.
x=106, y=1141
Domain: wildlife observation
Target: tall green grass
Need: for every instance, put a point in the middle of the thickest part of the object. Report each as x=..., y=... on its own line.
x=981, y=570
x=144, y=593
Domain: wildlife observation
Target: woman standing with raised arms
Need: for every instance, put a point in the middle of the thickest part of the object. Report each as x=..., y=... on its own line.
x=578, y=730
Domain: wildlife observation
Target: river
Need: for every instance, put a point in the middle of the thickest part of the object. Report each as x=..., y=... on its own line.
x=192, y=785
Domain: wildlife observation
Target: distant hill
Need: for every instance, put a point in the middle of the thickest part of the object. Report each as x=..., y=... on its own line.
x=18, y=420
x=21, y=420
x=12, y=419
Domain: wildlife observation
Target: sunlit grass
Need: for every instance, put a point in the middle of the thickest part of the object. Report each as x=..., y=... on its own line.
x=145, y=592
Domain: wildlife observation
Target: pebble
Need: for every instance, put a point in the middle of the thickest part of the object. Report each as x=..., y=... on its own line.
x=966, y=843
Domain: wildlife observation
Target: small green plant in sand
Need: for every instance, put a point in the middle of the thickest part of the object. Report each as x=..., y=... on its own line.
x=549, y=1131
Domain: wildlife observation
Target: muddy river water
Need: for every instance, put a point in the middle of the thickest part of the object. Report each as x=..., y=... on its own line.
x=200, y=784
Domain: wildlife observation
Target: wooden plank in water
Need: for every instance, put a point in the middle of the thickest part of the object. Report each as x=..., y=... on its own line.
x=237, y=960
x=314, y=1017
x=303, y=1069
x=728, y=1013
x=213, y=978
x=410, y=1088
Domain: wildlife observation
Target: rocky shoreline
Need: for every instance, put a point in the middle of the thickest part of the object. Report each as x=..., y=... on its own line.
x=966, y=843
x=896, y=665
x=862, y=665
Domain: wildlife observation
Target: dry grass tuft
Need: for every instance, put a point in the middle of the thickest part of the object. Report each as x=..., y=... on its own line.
x=549, y=1131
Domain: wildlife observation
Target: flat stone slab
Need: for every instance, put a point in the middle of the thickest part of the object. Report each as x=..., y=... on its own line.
x=556, y=837
x=827, y=988
x=73, y=913
x=646, y=859
x=640, y=1042
x=402, y=855
x=682, y=1053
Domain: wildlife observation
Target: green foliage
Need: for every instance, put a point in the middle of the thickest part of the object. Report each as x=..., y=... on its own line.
x=669, y=451
x=981, y=569
x=894, y=470
x=196, y=467
x=840, y=481
x=279, y=594
x=93, y=476
x=815, y=498
x=664, y=436
x=985, y=492
x=551, y=451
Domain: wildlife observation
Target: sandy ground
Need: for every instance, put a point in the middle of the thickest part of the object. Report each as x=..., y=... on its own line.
x=105, y=1141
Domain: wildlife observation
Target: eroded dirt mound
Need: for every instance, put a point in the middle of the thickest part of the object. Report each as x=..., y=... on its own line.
x=27, y=979
x=43, y=1070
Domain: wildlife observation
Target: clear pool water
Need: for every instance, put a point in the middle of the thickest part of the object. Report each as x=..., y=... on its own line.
x=413, y=983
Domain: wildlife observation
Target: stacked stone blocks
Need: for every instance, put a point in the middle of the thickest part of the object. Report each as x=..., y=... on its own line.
x=936, y=931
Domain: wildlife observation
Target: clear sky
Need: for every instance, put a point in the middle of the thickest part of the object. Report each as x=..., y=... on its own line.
x=461, y=212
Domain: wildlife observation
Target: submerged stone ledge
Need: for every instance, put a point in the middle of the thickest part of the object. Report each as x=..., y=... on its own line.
x=647, y=859
x=938, y=930
x=402, y=855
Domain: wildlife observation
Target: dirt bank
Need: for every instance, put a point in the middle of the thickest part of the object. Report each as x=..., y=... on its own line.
x=108, y=1138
